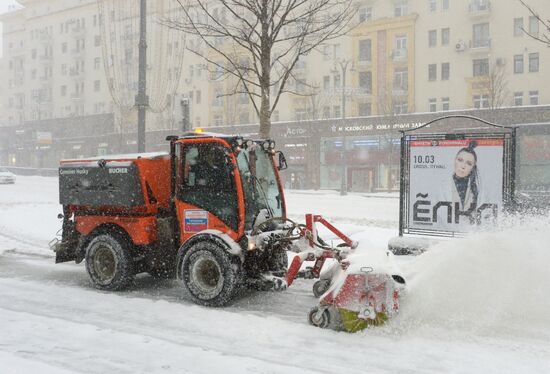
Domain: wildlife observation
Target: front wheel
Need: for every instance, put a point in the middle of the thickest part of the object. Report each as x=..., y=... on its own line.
x=319, y=319
x=108, y=262
x=210, y=274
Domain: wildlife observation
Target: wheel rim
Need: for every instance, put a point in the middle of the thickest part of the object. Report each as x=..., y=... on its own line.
x=105, y=264
x=207, y=276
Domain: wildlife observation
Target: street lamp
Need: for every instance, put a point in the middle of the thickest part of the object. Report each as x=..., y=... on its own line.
x=343, y=64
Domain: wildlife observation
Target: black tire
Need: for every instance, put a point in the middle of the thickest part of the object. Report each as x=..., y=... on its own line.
x=323, y=321
x=108, y=262
x=210, y=274
x=320, y=287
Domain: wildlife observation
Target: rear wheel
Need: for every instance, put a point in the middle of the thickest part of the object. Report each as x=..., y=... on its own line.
x=108, y=262
x=210, y=274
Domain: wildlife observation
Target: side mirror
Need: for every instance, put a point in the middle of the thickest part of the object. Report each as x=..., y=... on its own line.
x=282, y=161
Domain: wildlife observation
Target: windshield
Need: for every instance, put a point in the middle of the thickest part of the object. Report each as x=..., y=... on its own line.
x=260, y=186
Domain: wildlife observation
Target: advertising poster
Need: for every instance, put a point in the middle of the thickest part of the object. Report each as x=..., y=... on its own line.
x=455, y=185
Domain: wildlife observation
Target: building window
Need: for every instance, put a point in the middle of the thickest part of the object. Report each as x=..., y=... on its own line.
x=481, y=67
x=400, y=107
x=96, y=63
x=401, y=79
x=444, y=4
x=518, y=98
x=401, y=8
x=218, y=101
x=445, y=71
x=365, y=109
x=33, y=74
x=326, y=112
x=481, y=35
x=33, y=54
x=445, y=36
x=365, y=81
x=337, y=80
x=365, y=14
x=63, y=69
x=244, y=118
x=518, y=26
x=337, y=113
x=63, y=90
x=401, y=44
x=445, y=103
x=533, y=62
x=432, y=105
x=533, y=97
x=365, y=50
x=326, y=83
x=481, y=101
x=432, y=72
x=432, y=38
x=243, y=96
x=432, y=5
x=518, y=64
x=97, y=40
x=533, y=26
x=198, y=97
x=97, y=86
x=326, y=52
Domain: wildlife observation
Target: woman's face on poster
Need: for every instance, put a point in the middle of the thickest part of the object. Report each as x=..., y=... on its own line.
x=464, y=163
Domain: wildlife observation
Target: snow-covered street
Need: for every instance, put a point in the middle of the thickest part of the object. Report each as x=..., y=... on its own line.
x=478, y=305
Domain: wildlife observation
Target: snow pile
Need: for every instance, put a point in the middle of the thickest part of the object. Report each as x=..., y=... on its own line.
x=493, y=283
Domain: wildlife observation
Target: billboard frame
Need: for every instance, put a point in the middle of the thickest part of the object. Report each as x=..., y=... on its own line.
x=487, y=130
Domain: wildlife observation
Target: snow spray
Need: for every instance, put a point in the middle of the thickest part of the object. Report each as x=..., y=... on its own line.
x=491, y=283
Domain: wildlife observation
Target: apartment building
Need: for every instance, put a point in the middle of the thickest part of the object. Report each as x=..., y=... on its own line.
x=475, y=54
x=404, y=56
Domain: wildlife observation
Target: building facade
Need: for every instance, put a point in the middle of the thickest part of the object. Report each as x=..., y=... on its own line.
x=403, y=60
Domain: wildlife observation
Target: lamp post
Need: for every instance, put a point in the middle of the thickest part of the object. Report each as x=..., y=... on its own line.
x=343, y=64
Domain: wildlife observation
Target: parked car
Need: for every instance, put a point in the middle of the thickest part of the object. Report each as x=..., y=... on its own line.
x=6, y=176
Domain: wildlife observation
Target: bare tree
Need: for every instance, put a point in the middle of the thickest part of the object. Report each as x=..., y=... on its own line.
x=259, y=42
x=543, y=37
x=495, y=85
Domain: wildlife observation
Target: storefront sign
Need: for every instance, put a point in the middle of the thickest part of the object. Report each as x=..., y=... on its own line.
x=373, y=127
x=455, y=185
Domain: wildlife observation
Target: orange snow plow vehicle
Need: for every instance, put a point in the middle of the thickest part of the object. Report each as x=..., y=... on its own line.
x=211, y=212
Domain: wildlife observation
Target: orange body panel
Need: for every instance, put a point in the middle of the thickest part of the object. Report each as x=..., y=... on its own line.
x=213, y=223
x=142, y=230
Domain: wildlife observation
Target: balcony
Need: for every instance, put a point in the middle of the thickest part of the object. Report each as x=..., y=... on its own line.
x=479, y=8
x=364, y=62
x=363, y=91
x=400, y=90
x=480, y=45
x=78, y=32
x=77, y=53
x=45, y=58
x=45, y=37
x=400, y=55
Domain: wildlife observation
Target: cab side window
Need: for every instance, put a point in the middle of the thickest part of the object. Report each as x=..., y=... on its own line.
x=208, y=181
